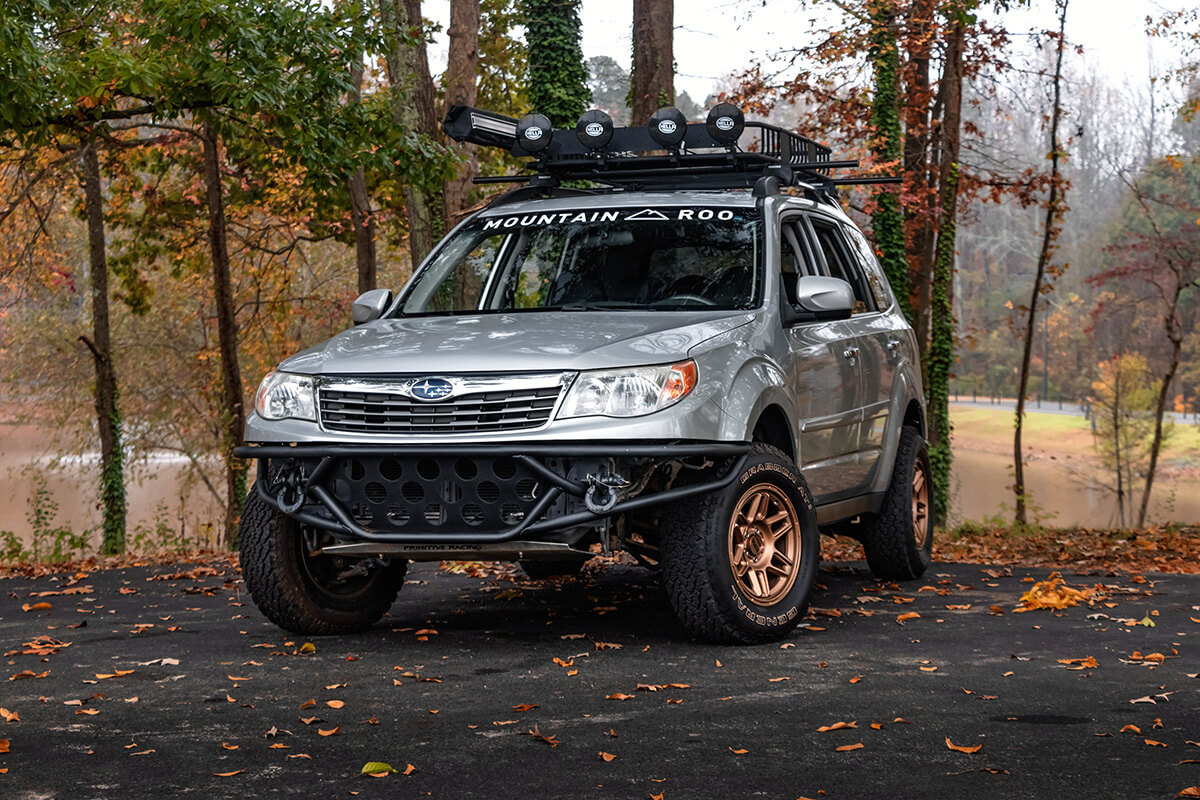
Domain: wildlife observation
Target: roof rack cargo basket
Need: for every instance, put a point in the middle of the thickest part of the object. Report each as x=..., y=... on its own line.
x=670, y=152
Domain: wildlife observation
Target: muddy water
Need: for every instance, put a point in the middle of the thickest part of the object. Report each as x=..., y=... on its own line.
x=163, y=490
x=160, y=489
x=1062, y=494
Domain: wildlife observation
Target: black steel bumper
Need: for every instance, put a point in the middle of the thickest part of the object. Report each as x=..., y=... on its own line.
x=479, y=493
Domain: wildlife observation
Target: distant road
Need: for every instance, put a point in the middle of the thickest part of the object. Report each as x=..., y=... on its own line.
x=1049, y=407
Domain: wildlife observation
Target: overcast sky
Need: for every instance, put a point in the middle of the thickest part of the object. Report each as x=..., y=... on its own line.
x=716, y=37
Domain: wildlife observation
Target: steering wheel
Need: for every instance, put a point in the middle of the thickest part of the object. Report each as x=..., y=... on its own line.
x=694, y=298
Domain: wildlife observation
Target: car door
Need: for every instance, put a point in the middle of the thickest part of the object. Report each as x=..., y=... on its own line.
x=873, y=336
x=824, y=377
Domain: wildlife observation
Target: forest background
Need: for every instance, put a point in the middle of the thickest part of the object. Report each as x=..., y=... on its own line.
x=191, y=190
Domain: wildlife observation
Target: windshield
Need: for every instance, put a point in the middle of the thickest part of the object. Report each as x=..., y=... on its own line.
x=663, y=259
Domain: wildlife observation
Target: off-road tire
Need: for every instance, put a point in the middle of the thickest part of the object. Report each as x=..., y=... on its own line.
x=697, y=565
x=890, y=542
x=282, y=586
x=540, y=570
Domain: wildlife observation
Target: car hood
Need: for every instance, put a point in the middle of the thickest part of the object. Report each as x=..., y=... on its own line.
x=527, y=342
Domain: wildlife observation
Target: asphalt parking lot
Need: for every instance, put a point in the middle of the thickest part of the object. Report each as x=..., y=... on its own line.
x=165, y=681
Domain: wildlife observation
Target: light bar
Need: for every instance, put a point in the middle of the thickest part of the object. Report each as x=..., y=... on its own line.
x=466, y=124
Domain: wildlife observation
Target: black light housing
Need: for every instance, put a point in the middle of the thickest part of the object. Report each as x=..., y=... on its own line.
x=725, y=123
x=668, y=127
x=534, y=133
x=466, y=124
x=594, y=129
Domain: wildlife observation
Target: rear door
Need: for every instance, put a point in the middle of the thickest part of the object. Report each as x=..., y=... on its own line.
x=824, y=377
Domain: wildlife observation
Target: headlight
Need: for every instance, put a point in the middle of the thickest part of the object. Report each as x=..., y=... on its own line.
x=628, y=392
x=282, y=395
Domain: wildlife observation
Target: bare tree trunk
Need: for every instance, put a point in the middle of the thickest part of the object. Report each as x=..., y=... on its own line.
x=461, y=87
x=1175, y=334
x=108, y=417
x=233, y=409
x=652, y=79
x=918, y=169
x=1052, y=225
x=361, y=215
x=413, y=108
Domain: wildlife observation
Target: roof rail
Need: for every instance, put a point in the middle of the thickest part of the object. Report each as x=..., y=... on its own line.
x=668, y=153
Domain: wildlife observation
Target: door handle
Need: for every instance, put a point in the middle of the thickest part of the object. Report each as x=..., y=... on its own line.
x=850, y=353
x=893, y=347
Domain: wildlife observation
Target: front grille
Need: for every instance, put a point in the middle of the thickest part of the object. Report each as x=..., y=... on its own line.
x=385, y=412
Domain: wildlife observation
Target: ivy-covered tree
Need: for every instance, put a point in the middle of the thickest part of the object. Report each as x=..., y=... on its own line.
x=557, y=75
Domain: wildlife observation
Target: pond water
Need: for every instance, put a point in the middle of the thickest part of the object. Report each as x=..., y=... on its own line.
x=164, y=490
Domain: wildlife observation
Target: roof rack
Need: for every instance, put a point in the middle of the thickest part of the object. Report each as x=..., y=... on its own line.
x=668, y=153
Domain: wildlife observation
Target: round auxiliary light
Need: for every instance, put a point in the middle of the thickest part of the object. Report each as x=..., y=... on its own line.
x=534, y=133
x=725, y=123
x=667, y=127
x=594, y=129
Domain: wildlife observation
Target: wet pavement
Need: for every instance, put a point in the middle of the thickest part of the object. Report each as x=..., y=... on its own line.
x=166, y=681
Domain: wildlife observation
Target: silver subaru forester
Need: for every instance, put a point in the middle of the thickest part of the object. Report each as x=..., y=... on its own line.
x=696, y=359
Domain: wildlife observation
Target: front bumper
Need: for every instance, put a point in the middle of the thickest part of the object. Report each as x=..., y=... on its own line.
x=482, y=493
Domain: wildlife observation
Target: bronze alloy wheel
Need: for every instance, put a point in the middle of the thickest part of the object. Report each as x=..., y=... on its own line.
x=765, y=544
x=920, y=505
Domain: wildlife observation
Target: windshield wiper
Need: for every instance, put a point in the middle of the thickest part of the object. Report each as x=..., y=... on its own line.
x=586, y=307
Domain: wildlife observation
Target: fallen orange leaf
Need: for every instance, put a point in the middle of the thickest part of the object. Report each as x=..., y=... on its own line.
x=91, y=712
x=619, y=696
x=229, y=774
x=308, y=704
x=1153, y=743
x=908, y=616
x=846, y=748
x=229, y=746
x=4, y=745
x=334, y=703
x=331, y=732
x=1132, y=729
x=739, y=752
x=606, y=756
x=409, y=769
x=523, y=707
x=232, y=678
x=301, y=755
x=1191, y=791
x=837, y=726
x=975, y=748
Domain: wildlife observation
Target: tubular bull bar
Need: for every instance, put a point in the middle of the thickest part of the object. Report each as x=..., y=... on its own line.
x=469, y=494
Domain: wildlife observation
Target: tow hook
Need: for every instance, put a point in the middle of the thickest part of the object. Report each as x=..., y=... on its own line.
x=603, y=492
x=291, y=492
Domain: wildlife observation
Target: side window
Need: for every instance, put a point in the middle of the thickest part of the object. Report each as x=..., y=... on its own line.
x=794, y=255
x=841, y=263
x=866, y=254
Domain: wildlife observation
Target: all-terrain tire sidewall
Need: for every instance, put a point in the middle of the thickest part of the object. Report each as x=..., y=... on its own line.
x=269, y=555
x=890, y=546
x=696, y=570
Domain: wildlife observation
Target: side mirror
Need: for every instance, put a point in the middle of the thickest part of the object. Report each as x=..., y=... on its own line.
x=817, y=298
x=830, y=298
x=370, y=305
